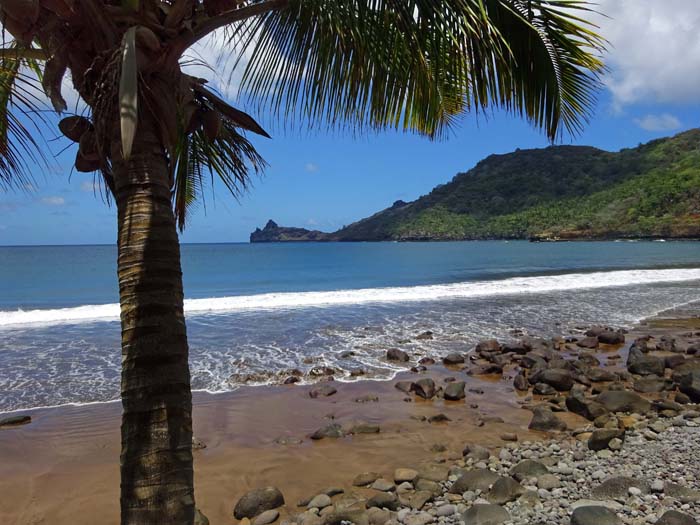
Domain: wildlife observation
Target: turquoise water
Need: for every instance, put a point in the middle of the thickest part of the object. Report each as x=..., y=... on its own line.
x=266, y=308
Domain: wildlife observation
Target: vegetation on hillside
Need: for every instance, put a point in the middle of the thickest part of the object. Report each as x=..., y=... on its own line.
x=652, y=190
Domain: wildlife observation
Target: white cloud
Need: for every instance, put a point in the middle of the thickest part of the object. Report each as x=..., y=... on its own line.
x=311, y=167
x=654, y=51
x=663, y=122
x=53, y=200
x=90, y=186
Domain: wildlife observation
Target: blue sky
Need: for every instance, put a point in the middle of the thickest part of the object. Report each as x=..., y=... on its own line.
x=325, y=180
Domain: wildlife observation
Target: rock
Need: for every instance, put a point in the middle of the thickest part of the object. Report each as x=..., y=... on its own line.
x=383, y=500
x=485, y=514
x=455, y=391
x=426, y=361
x=594, y=516
x=377, y=516
x=623, y=401
x=543, y=419
x=345, y=516
x=418, y=500
x=505, y=490
x=619, y=487
x=383, y=485
x=610, y=337
x=476, y=452
x=405, y=474
x=690, y=386
x=577, y=403
x=477, y=479
x=200, y=518
x=424, y=388
x=543, y=389
x=446, y=510
x=267, y=517
x=453, y=358
x=322, y=390
x=643, y=364
x=364, y=479
x=486, y=369
x=548, y=482
x=588, y=342
x=528, y=468
x=557, y=378
x=424, y=336
x=520, y=383
x=15, y=421
x=438, y=418
x=509, y=436
x=319, y=502
x=684, y=494
x=600, y=439
x=651, y=384
x=404, y=386
x=394, y=354
x=334, y=430
x=433, y=472
x=600, y=375
x=487, y=346
x=257, y=501
x=673, y=517
x=429, y=486
x=364, y=428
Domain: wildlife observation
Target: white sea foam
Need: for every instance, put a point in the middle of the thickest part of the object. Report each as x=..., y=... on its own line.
x=288, y=300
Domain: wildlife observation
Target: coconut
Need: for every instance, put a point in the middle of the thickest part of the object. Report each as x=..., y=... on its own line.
x=147, y=39
x=211, y=122
x=86, y=165
x=74, y=127
x=88, y=146
x=25, y=10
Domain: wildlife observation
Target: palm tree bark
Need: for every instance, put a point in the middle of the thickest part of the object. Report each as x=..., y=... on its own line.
x=156, y=459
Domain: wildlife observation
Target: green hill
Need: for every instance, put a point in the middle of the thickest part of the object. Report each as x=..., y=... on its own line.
x=652, y=190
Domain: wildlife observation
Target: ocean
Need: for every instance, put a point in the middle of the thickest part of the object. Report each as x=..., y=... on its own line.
x=257, y=311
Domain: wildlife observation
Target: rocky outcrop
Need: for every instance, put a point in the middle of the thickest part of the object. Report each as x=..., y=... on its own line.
x=274, y=233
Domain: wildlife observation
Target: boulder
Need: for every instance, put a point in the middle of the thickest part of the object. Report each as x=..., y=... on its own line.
x=455, y=391
x=545, y=420
x=258, y=501
x=322, y=390
x=15, y=421
x=623, y=401
x=652, y=384
x=424, y=336
x=424, y=388
x=505, y=490
x=365, y=478
x=477, y=479
x=383, y=500
x=644, y=364
x=528, y=468
x=267, y=517
x=588, y=342
x=404, y=386
x=673, y=517
x=600, y=375
x=485, y=514
x=577, y=403
x=356, y=516
x=486, y=370
x=200, y=518
x=319, y=502
x=611, y=337
x=594, y=516
x=520, y=383
x=394, y=354
x=600, y=439
x=405, y=474
x=618, y=488
x=690, y=386
x=334, y=430
x=543, y=389
x=476, y=452
x=488, y=346
x=419, y=498
x=453, y=359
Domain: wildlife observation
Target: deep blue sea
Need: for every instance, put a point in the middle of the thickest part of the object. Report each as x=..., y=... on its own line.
x=264, y=309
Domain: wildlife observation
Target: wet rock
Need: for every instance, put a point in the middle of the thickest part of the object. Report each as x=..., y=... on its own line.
x=376, y=516
x=594, y=516
x=426, y=361
x=528, y=468
x=643, y=364
x=477, y=479
x=520, y=383
x=485, y=514
x=364, y=428
x=418, y=500
x=684, y=494
x=543, y=389
x=486, y=370
x=455, y=391
x=558, y=378
x=673, y=517
x=365, y=478
x=394, y=354
x=15, y=421
x=383, y=500
x=577, y=403
x=404, y=386
x=600, y=375
x=505, y=490
x=619, y=487
x=345, y=516
x=319, y=502
x=424, y=336
x=611, y=337
x=424, y=388
x=543, y=419
x=651, y=384
x=690, y=386
x=600, y=439
x=476, y=452
x=623, y=401
x=488, y=346
x=453, y=359
x=200, y=518
x=291, y=380
x=197, y=444
x=588, y=342
x=322, y=390
x=368, y=398
x=333, y=430
x=517, y=347
x=405, y=474
x=258, y=501
x=439, y=418
x=383, y=485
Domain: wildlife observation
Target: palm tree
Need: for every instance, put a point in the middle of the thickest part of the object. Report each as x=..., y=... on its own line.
x=153, y=133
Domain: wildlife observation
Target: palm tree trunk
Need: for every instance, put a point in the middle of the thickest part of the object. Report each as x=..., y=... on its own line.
x=156, y=457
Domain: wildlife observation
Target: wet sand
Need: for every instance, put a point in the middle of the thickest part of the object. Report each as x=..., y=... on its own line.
x=63, y=468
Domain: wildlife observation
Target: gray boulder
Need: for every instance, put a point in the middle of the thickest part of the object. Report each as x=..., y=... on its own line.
x=600, y=439
x=424, y=388
x=484, y=514
x=383, y=500
x=557, y=378
x=528, y=468
x=594, y=516
x=477, y=479
x=690, y=386
x=505, y=490
x=623, y=401
x=577, y=403
x=673, y=517
x=258, y=501
x=618, y=487
x=543, y=419
x=394, y=354
x=644, y=364
x=476, y=452
x=455, y=391
x=453, y=359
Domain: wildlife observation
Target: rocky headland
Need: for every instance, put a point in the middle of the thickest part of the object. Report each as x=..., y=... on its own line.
x=274, y=233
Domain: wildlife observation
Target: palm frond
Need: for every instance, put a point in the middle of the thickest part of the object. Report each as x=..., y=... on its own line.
x=419, y=64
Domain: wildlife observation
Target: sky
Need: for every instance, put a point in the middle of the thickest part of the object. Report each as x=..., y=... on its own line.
x=324, y=180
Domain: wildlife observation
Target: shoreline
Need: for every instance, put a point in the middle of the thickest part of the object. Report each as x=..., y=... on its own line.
x=63, y=467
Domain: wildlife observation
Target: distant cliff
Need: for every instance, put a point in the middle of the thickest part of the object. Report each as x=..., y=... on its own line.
x=274, y=233
x=564, y=192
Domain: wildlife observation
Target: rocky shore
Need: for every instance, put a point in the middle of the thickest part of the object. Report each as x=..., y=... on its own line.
x=618, y=423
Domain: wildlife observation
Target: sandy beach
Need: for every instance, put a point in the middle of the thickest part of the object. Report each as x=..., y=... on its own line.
x=63, y=467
